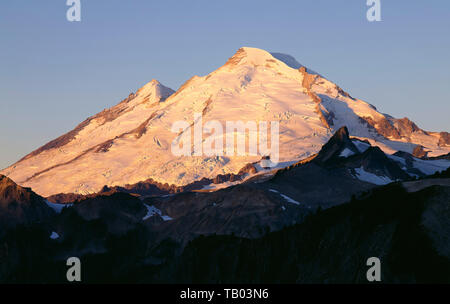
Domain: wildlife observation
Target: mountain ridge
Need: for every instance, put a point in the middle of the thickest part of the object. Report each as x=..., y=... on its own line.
x=130, y=142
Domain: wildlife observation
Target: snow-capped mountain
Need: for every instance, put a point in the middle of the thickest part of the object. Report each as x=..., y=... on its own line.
x=131, y=142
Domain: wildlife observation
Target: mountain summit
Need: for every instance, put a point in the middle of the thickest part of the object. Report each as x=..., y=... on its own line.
x=131, y=141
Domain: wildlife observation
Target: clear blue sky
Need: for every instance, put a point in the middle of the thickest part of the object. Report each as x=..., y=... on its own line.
x=54, y=74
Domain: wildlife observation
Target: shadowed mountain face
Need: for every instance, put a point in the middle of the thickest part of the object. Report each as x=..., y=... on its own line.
x=333, y=246
x=331, y=151
x=20, y=205
x=341, y=151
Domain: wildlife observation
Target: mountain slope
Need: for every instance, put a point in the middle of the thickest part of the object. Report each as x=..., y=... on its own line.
x=131, y=142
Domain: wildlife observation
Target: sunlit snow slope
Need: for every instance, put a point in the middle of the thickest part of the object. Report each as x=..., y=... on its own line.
x=131, y=141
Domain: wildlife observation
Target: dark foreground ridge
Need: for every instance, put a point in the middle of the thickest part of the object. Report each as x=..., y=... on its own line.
x=330, y=246
x=409, y=232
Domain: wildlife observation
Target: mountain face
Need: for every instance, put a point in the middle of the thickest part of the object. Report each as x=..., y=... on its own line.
x=131, y=142
x=20, y=206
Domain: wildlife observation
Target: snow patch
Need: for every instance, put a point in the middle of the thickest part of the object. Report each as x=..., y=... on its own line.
x=429, y=167
x=220, y=186
x=288, y=60
x=346, y=153
x=152, y=210
x=361, y=146
x=397, y=159
x=287, y=198
x=57, y=207
x=365, y=176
